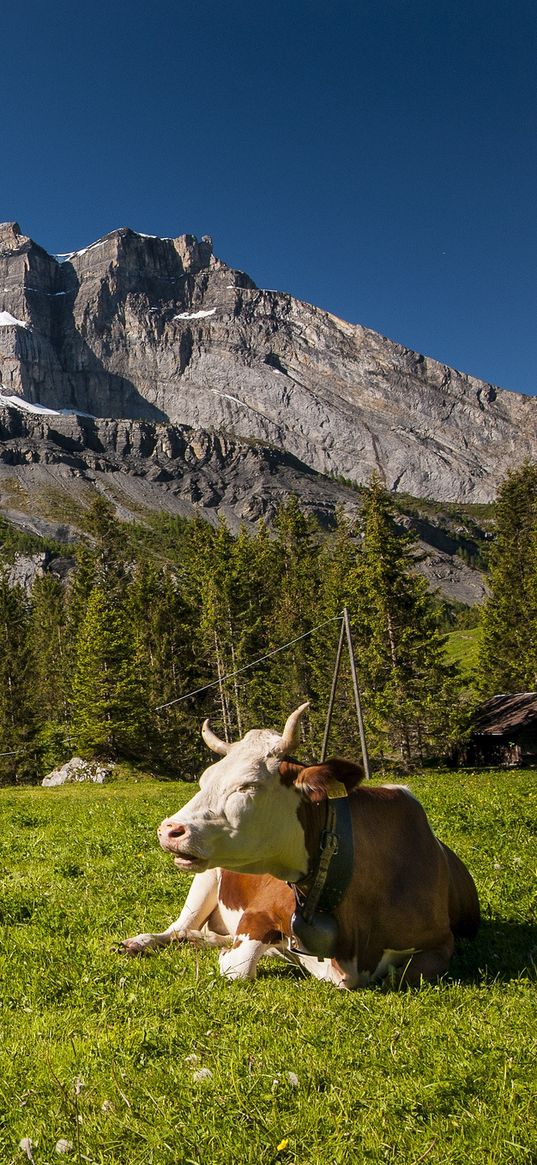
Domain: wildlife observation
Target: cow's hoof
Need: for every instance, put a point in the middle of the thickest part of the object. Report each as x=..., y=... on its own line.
x=140, y=945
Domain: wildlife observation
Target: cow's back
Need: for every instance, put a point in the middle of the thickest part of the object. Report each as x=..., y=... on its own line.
x=404, y=891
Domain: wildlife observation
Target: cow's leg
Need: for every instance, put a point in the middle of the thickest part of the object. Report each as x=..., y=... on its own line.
x=427, y=965
x=201, y=906
x=240, y=961
x=258, y=932
x=408, y=968
x=327, y=970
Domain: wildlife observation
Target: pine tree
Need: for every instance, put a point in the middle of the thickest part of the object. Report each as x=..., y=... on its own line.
x=110, y=545
x=52, y=669
x=109, y=702
x=254, y=567
x=211, y=579
x=508, y=654
x=255, y=593
x=17, y=711
x=409, y=690
x=233, y=581
x=163, y=622
x=78, y=590
x=294, y=611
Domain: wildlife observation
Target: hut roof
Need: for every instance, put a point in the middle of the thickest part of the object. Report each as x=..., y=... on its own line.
x=506, y=713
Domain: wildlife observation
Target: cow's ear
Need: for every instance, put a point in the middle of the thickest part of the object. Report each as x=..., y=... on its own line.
x=332, y=778
x=289, y=770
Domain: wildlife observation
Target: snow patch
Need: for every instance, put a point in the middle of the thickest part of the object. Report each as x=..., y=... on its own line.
x=64, y=258
x=165, y=238
x=18, y=402
x=195, y=315
x=9, y=321
x=76, y=413
x=228, y=397
x=27, y=406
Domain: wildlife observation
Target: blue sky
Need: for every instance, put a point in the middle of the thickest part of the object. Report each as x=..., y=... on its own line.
x=376, y=158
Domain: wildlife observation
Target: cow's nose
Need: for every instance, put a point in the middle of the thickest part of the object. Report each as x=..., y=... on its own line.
x=172, y=829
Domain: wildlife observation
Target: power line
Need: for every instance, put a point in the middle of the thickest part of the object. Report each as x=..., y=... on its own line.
x=247, y=666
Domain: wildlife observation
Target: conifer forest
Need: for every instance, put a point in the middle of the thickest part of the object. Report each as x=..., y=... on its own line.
x=96, y=663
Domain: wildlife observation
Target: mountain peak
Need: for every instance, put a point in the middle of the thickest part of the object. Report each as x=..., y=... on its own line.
x=10, y=236
x=195, y=254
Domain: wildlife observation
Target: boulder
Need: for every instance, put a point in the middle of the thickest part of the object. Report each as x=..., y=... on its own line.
x=76, y=770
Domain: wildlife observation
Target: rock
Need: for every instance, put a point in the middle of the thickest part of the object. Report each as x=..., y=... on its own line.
x=61, y=567
x=144, y=468
x=190, y=389
x=76, y=770
x=160, y=330
x=9, y=236
x=451, y=577
x=25, y=568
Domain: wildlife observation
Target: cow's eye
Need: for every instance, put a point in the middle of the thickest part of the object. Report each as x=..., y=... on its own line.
x=241, y=804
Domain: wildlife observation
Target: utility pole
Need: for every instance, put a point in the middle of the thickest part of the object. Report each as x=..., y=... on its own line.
x=346, y=634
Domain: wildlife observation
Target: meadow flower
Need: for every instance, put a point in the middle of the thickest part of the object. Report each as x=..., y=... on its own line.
x=202, y=1074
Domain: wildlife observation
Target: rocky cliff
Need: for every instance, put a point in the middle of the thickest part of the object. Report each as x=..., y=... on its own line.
x=52, y=465
x=159, y=330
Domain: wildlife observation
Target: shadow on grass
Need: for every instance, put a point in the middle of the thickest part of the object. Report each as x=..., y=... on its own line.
x=503, y=950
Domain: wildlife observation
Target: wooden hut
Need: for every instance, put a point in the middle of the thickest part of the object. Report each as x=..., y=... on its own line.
x=504, y=732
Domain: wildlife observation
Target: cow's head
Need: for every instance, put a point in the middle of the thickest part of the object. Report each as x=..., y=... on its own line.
x=245, y=816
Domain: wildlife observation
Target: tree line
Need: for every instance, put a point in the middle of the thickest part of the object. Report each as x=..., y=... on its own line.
x=88, y=666
x=98, y=665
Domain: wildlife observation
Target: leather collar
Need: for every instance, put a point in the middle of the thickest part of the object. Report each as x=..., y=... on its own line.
x=314, y=929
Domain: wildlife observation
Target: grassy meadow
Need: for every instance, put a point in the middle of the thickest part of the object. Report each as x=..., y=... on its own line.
x=462, y=648
x=107, y=1059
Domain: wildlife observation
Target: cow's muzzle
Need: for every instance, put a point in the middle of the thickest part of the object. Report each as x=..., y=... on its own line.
x=175, y=839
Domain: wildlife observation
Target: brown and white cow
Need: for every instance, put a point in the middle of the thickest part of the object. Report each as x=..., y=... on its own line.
x=255, y=825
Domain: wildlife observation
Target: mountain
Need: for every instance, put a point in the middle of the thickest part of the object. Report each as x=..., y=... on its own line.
x=52, y=465
x=152, y=371
x=157, y=329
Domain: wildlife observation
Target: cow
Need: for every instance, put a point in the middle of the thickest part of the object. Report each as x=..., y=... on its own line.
x=251, y=836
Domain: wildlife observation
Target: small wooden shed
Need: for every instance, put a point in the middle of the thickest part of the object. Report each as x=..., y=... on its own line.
x=504, y=732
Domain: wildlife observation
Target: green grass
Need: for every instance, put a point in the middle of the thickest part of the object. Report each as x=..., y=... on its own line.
x=462, y=648
x=13, y=495
x=97, y=1047
x=61, y=505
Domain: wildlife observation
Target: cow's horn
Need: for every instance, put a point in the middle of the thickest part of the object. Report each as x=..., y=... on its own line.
x=212, y=741
x=289, y=738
